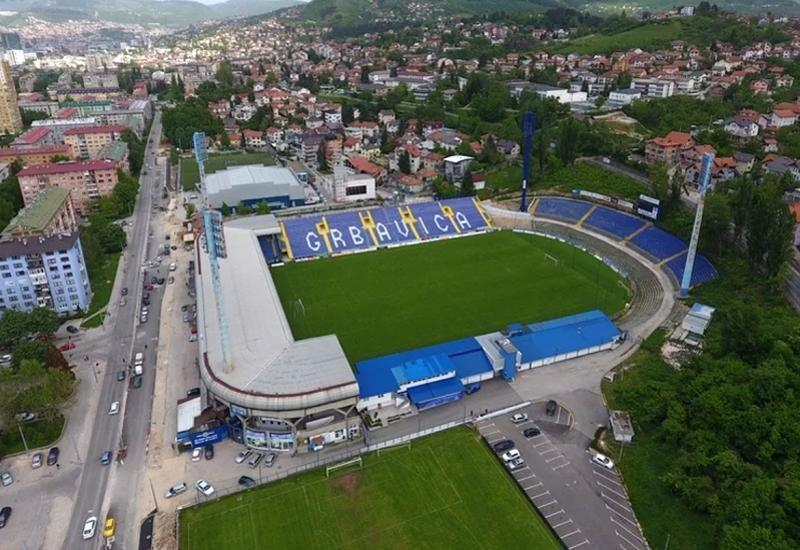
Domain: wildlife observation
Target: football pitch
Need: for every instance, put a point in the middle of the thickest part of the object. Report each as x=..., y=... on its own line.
x=445, y=492
x=392, y=300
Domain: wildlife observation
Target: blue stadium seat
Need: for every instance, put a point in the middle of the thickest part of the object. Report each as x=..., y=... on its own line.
x=347, y=232
x=271, y=248
x=702, y=273
x=563, y=209
x=431, y=222
x=390, y=227
x=303, y=237
x=613, y=222
x=658, y=243
x=466, y=214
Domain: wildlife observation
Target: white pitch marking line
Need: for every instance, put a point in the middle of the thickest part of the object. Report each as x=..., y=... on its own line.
x=585, y=541
x=562, y=524
x=540, y=495
x=554, y=513
x=554, y=501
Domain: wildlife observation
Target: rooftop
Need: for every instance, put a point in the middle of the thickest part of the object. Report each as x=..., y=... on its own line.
x=66, y=167
x=240, y=183
x=41, y=211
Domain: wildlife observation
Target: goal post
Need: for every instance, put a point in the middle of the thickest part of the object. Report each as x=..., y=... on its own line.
x=551, y=258
x=357, y=461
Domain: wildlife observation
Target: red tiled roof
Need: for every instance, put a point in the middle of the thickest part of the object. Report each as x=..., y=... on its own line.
x=66, y=112
x=66, y=167
x=43, y=149
x=673, y=139
x=363, y=165
x=99, y=129
x=33, y=135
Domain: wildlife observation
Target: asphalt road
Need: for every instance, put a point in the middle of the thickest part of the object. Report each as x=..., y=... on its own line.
x=126, y=338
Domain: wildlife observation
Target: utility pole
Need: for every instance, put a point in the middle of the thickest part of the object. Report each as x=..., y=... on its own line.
x=22, y=435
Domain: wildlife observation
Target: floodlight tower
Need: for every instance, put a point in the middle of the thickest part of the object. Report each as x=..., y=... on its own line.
x=214, y=244
x=705, y=179
x=528, y=129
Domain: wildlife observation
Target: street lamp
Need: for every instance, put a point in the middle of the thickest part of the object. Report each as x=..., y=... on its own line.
x=22, y=435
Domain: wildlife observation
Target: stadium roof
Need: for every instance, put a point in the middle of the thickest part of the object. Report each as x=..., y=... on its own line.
x=251, y=182
x=268, y=369
x=39, y=214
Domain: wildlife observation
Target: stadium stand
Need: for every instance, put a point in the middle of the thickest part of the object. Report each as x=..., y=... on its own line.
x=702, y=273
x=658, y=243
x=346, y=232
x=271, y=248
x=325, y=234
x=431, y=221
x=562, y=209
x=613, y=222
x=303, y=238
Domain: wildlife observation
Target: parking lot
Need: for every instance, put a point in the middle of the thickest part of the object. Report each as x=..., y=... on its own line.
x=584, y=503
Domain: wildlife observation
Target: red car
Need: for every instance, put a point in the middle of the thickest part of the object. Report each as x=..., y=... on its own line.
x=148, y=287
x=68, y=346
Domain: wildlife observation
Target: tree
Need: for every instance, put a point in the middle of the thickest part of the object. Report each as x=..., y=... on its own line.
x=404, y=162
x=322, y=159
x=715, y=233
x=224, y=74
x=769, y=231
x=567, y=144
x=467, y=185
x=189, y=208
x=659, y=181
x=262, y=208
x=347, y=114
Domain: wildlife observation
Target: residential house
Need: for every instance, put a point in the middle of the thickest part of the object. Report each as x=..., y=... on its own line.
x=668, y=149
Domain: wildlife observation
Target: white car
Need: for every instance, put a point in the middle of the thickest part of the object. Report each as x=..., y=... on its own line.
x=204, y=487
x=516, y=464
x=114, y=409
x=603, y=460
x=243, y=455
x=510, y=455
x=197, y=454
x=175, y=490
x=89, y=528
x=519, y=418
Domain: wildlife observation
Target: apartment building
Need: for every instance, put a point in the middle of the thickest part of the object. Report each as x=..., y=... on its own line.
x=668, y=149
x=44, y=272
x=10, y=117
x=34, y=155
x=89, y=142
x=87, y=181
x=50, y=213
x=651, y=87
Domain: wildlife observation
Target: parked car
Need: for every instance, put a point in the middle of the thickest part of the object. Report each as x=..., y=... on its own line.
x=89, y=528
x=109, y=528
x=519, y=418
x=36, y=461
x=193, y=392
x=175, y=490
x=255, y=460
x=204, y=487
x=52, y=456
x=516, y=464
x=25, y=417
x=551, y=408
x=72, y=329
x=510, y=455
x=124, y=291
x=208, y=451
x=148, y=287
x=197, y=453
x=114, y=409
x=5, y=513
x=120, y=375
x=68, y=346
x=6, y=479
x=503, y=446
x=137, y=381
x=122, y=302
x=105, y=458
x=243, y=455
x=161, y=280
x=5, y=358
x=247, y=481
x=603, y=460
x=153, y=280
x=533, y=431
x=269, y=459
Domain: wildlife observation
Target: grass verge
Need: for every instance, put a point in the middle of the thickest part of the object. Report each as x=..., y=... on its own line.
x=102, y=284
x=37, y=434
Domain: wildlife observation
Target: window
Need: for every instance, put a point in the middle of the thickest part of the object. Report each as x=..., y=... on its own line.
x=73, y=297
x=356, y=190
x=6, y=275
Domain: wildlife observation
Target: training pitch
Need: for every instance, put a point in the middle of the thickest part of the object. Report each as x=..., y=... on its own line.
x=391, y=300
x=445, y=492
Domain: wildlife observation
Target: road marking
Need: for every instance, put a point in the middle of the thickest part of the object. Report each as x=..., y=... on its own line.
x=609, y=499
x=552, y=458
x=631, y=533
x=555, y=513
x=610, y=509
x=540, y=495
x=585, y=541
x=558, y=418
x=621, y=545
x=553, y=450
x=520, y=480
x=562, y=524
x=575, y=532
x=613, y=491
x=533, y=486
x=567, y=463
x=626, y=540
x=520, y=469
x=554, y=501
x=597, y=473
x=546, y=442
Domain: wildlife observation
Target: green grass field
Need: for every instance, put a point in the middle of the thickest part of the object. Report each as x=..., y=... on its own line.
x=446, y=492
x=396, y=299
x=218, y=161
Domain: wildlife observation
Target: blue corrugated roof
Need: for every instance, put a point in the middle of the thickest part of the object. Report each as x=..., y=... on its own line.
x=421, y=368
x=565, y=335
x=377, y=376
x=435, y=390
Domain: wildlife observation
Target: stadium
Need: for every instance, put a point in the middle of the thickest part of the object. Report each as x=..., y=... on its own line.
x=318, y=327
